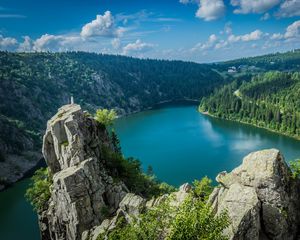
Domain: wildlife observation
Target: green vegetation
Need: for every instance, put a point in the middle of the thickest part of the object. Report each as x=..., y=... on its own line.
x=65, y=143
x=105, y=116
x=288, y=61
x=295, y=167
x=38, y=193
x=129, y=171
x=193, y=219
x=203, y=188
x=270, y=100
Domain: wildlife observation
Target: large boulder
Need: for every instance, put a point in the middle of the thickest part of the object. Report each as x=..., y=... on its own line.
x=83, y=192
x=261, y=198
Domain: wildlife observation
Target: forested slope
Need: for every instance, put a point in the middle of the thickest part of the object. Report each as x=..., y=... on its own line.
x=270, y=100
x=34, y=85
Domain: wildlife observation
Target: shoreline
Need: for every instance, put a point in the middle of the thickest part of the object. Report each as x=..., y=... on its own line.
x=250, y=124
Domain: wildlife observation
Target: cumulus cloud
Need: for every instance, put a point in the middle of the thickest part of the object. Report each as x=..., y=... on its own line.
x=293, y=30
x=137, y=47
x=210, y=9
x=253, y=6
x=56, y=43
x=210, y=43
x=289, y=8
x=103, y=25
x=253, y=36
x=8, y=43
x=26, y=45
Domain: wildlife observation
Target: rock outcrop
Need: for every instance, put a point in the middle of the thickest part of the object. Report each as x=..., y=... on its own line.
x=82, y=189
x=261, y=198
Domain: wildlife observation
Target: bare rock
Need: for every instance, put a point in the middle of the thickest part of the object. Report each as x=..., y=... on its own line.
x=82, y=187
x=261, y=198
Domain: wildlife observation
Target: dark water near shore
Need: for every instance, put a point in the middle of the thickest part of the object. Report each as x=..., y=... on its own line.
x=179, y=143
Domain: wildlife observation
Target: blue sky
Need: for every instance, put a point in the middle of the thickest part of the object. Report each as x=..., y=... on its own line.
x=192, y=30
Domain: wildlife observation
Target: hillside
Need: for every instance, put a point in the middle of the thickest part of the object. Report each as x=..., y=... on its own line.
x=34, y=85
x=287, y=61
x=270, y=100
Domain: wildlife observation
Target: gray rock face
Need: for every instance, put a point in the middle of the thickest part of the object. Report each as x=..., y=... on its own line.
x=261, y=198
x=82, y=189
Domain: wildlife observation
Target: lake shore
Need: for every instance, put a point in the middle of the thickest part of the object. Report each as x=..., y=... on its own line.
x=250, y=124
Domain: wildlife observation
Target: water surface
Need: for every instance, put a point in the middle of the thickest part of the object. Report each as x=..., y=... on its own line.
x=179, y=143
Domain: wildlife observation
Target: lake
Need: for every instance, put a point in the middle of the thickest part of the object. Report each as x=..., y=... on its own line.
x=179, y=143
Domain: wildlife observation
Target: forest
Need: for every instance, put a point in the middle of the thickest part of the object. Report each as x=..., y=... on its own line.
x=270, y=100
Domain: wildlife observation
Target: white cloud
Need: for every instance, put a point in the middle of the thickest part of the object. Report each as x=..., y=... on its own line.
x=26, y=45
x=276, y=36
x=253, y=36
x=221, y=44
x=293, y=30
x=289, y=8
x=253, y=6
x=210, y=9
x=207, y=45
x=8, y=43
x=48, y=42
x=103, y=25
x=137, y=47
x=265, y=17
x=116, y=43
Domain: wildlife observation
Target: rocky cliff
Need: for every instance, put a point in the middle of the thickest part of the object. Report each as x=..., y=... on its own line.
x=82, y=189
x=260, y=196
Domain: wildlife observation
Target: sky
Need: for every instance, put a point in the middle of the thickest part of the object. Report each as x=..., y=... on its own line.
x=189, y=30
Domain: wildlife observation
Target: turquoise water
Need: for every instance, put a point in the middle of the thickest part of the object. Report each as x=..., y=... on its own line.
x=182, y=145
x=179, y=143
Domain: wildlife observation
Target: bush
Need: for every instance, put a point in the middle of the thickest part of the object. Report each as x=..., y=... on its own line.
x=129, y=171
x=105, y=116
x=38, y=193
x=203, y=188
x=295, y=167
x=149, y=225
x=193, y=219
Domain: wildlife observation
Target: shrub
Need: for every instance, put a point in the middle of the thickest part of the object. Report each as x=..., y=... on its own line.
x=295, y=167
x=150, y=225
x=203, y=188
x=193, y=219
x=129, y=171
x=105, y=116
x=38, y=193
